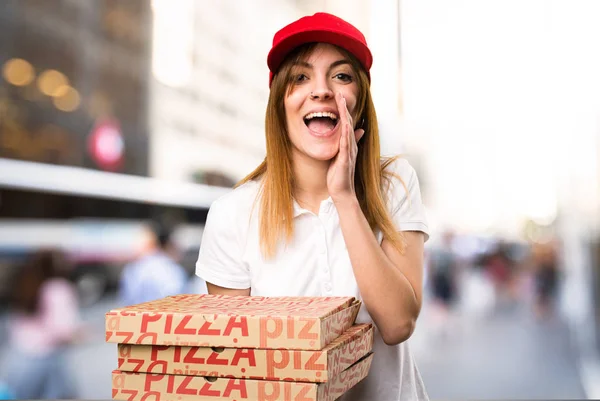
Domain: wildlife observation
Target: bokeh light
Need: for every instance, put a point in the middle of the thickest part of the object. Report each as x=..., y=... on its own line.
x=51, y=81
x=66, y=98
x=18, y=72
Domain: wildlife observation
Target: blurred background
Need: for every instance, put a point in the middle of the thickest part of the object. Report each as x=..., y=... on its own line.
x=121, y=121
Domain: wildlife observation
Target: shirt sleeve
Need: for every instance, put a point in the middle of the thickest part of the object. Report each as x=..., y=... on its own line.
x=405, y=203
x=220, y=259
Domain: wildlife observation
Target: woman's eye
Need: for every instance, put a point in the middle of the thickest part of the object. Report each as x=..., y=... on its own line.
x=343, y=77
x=300, y=78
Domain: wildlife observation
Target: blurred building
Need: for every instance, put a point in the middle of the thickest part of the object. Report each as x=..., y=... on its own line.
x=210, y=86
x=74, y=138
x=74, y=84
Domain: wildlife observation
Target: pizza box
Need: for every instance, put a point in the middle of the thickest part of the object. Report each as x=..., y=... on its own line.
x=294, y=323
x=265, y=364
x=132, y=386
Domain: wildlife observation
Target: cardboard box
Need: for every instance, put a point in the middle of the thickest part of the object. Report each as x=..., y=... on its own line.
x=300, y=323
x=307, y=366
x=158, y=387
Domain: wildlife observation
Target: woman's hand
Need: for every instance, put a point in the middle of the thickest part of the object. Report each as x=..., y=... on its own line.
x=340, y=177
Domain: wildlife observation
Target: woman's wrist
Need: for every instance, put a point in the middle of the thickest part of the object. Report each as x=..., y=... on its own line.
x=349, y=201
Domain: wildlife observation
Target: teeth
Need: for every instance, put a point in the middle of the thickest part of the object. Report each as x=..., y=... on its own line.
x=321, y=114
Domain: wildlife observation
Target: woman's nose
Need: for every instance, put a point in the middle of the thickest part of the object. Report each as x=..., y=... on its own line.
x=321, y=91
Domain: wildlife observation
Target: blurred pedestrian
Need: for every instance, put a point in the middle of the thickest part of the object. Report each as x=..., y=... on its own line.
x=546, y=277
x=443, y=275
x=500, y=269
x=43, y=322
x=324, y=214
x=155, y=274
x=443, y=271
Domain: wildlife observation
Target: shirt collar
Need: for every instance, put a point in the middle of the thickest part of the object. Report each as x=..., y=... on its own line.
x=325, y=206
x=298, y=210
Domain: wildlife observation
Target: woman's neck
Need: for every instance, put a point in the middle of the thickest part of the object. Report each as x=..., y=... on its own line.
x=310, y=182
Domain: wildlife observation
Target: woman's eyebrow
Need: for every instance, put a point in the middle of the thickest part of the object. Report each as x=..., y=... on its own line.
x=339, y=62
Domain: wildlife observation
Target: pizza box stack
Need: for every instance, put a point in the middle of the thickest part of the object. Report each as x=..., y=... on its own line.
x=207, y=347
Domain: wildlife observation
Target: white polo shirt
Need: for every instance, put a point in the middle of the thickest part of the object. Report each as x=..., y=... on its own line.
x=314, y=263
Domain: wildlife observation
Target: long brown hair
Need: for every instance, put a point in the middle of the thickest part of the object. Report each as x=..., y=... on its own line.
x=371, y=180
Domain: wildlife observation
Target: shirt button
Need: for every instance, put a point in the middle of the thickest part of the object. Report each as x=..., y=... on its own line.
x=328, y=287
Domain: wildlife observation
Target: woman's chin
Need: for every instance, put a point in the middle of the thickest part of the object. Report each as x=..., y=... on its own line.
x=319, y=152
x=323, y=155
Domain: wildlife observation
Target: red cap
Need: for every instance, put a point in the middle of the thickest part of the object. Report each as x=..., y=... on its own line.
x=320, y=27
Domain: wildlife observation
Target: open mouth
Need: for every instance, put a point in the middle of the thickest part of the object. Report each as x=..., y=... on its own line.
x=321, y=123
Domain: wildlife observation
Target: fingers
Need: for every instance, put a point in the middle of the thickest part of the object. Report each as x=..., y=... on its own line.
x=343, y=109
x=350, y=136
x=341, y=105
x=343, y=153
x=346, y=118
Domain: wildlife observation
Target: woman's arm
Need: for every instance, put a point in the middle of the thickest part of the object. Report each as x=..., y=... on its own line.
x=390, y=282
x=216, y=290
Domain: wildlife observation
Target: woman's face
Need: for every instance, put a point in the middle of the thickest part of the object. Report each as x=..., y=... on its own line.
x=311, y=111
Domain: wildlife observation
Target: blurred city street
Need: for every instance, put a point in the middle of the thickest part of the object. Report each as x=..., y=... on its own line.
x=507, y=355
x=122, y=122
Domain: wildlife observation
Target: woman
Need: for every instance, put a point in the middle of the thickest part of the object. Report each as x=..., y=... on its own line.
x=323, y=215
x=44, y=321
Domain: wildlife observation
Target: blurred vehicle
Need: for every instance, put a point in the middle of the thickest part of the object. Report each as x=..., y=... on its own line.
x=96, y=218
